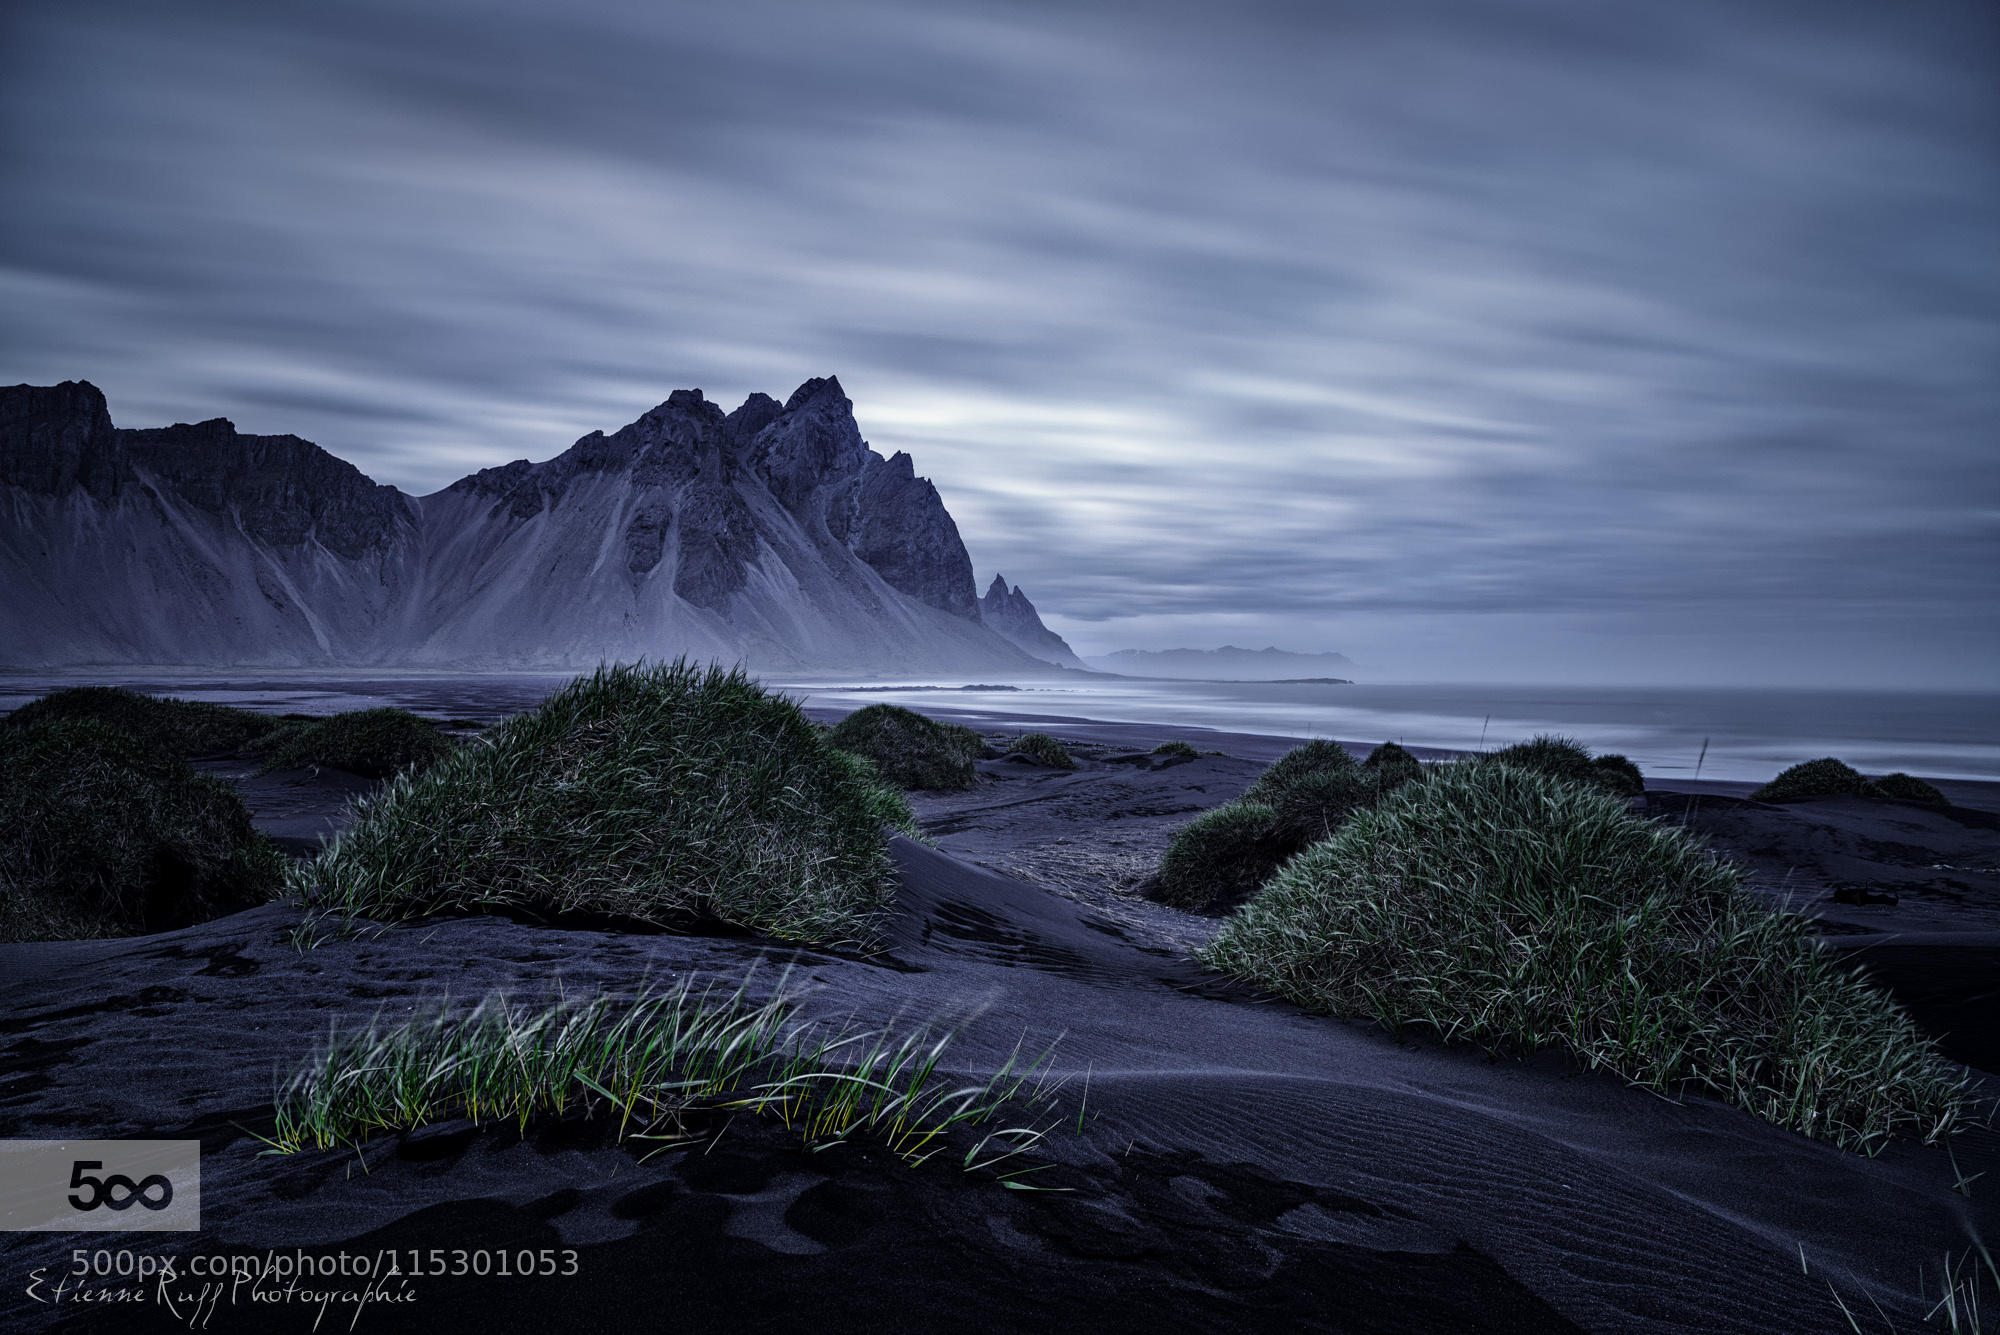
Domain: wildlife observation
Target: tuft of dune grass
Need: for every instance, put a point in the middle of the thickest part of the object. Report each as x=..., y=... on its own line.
x=649, y=1064
x=1906, y=788
x=1498, y=905
x=1043, y=750
x=104, y=834
x=1620, y=775
x=911, y=750
x=1315, y=757
x=1219, y=858
x=1567, y=759
x=187, y=728
x=1393, y=765
x=373, y=743
x=669, y=795
x=1825, y=777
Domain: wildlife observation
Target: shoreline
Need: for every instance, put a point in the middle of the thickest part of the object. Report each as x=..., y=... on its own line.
x=1977, y=794
x=1756, y=732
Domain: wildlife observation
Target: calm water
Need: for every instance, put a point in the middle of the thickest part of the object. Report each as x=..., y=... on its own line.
x=1750, y=734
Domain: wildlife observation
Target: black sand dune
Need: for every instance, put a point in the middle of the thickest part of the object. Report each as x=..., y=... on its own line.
x=1240, y=1166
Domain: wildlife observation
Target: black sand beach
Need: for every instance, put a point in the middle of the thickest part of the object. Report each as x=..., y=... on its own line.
x=1234, y=1164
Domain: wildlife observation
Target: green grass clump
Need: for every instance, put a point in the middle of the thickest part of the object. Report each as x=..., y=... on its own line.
x=1177, y=748
x=883, y=802
x=1825, y=777
x=1905, y=788
x=1222, y=856
x=1558, y=757
x=650, y=1065
x=373, y=743
x=1567, y=759
x=1314, y=805
x=668, y=795
x=910, y=750
x=102, y=834
x=1620, y=775
x=184, y=727
x=1393, y=766
x=1495, y=904
x=1314, y=757
x=1043, y=750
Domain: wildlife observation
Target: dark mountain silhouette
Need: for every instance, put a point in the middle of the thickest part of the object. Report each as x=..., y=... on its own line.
x=771, y=535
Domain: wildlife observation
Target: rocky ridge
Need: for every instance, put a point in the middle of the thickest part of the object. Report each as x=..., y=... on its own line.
x=1009, y=612
x=771, y=534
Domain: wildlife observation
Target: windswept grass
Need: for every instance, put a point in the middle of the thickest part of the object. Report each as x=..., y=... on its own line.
x=1043, y=750
x=1222, y=856
x=1620, y=775
x=1314, y=805
x=373, y=743
x=183, y=727
x=1505, y=907
x=911, y=750
x=1177, y=749
x=1827, y=777
x=1968, y=1287
x=651, y=1064
x=1905, y=788
x=667, y=795
x=102, y=834
x=1315, y=757
x=1567, y=759
x=1393, y=766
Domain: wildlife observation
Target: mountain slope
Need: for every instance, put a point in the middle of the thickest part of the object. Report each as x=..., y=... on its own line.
x=772, y=535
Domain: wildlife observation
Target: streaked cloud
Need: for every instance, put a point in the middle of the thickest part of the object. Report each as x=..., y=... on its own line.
x=1474, y=325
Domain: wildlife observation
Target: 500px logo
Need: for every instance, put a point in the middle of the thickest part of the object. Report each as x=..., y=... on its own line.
x=104, y=1190
x=93, y=1186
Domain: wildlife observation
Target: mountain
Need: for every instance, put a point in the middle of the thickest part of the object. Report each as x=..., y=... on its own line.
x=771, y=535
x=1228, y=663
x=1009, y=612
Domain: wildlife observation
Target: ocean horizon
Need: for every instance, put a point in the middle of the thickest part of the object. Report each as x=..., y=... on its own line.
x=1733, y=733
x=1726, y=733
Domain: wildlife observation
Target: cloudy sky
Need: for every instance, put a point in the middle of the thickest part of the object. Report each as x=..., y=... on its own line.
x=1519, y=339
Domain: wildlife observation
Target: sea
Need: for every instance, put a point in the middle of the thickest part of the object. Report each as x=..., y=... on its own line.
x=1744, y=734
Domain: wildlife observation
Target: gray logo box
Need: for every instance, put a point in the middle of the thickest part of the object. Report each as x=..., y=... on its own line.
x=100, y=1186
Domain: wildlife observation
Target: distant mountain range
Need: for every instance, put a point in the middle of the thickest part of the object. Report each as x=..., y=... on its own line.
x=770, y=535
x=1228, y=663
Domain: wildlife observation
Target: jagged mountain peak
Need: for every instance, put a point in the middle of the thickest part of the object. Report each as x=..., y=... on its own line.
x=1009, y=612
x=811, y=441
x=753, y=415
x=820, y=390
x=770, y=534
